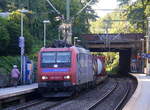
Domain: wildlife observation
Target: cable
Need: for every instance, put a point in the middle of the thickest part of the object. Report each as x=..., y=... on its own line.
x=82, y=9
x=53, y=7
x=118, y=10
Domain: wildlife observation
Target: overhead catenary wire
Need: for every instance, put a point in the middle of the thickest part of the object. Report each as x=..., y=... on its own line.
x=82, y=9
x=118, y=10
x=58, y=12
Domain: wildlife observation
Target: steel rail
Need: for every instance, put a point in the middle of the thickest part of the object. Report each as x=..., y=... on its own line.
x=57, y=104
x=30, y=104
x=105, y=96
x=124, y=97
x=24, y=107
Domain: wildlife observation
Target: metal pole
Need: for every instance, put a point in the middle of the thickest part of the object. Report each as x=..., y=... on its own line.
x=106, y=32
x=142, y=52
x=21, y=24
x=148, y=48
x=21, y=76
x=59, y=33
x=68, y=10
x=45, y=22
x=143, y=58
x=68, y=23
x=147, y=45
x=74, y=42
x=44, y=34
x=75, y=38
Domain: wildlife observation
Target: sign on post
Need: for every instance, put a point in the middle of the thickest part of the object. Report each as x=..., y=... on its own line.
x=21, y=42
x=22, y=51
x=148, y=55
x=145, y=55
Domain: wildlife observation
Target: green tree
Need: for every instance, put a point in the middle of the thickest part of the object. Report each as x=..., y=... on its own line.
x=41, y=10
x=13, y=29
x=137, y=12
x=4, y=38
x=3, y=5
x=114, y=23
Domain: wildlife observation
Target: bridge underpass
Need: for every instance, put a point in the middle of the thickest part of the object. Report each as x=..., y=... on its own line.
x=128, y=46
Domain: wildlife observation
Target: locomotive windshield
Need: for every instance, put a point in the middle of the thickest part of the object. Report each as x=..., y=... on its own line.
x=48, y=57
x=63, y=59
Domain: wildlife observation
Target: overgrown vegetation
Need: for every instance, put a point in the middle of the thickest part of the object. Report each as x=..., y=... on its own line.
x=136, y=15
x=33, y=27
x=132, y=18
x=111, y=61
x=6, y=65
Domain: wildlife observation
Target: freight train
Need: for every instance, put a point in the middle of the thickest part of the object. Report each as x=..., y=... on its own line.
x=65, y=71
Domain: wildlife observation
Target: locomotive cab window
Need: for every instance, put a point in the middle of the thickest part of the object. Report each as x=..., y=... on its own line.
x=48, y=57
x=61, y=58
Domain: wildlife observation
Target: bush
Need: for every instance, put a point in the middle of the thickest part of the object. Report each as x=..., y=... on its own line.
x=6, y=65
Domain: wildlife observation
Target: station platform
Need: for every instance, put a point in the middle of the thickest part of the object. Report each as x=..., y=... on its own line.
x=140, y=100
x=16, y=91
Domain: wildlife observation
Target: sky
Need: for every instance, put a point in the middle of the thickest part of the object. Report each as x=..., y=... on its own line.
x=105, y=4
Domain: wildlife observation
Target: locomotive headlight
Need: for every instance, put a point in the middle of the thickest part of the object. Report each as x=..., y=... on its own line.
x=44, y=77
x=67, y=77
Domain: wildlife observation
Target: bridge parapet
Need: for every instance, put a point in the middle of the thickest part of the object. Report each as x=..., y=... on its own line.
x=114, y=38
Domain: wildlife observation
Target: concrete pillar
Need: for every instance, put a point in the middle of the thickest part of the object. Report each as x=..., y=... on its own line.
x=124, y=61
x=148, y=47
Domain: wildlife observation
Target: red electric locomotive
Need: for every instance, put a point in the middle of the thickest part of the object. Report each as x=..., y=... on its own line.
x=63, y=71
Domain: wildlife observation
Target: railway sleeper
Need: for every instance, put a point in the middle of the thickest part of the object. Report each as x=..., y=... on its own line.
x=12, y=101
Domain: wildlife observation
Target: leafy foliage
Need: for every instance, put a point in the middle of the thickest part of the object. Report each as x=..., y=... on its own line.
x=4, y=38
x=111, y=61
x=136, y=15
x=3, y=4
x=33, y=26
x=137, y=12
x=7, y=63
x=33, y=22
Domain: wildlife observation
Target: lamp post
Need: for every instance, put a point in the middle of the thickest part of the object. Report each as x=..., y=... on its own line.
x=148, y=46
x=21, y=43
x=74, y=39
x=142, y=52
x=45, y=22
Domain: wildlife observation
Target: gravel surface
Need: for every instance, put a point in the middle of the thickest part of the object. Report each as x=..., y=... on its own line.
x=111, y=102
x=86, y=100
x=39, y=106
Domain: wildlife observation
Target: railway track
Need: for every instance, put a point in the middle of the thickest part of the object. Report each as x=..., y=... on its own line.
x=107, y=96
x=57, y=104
x=33, y=103
x=39, y=104
x=103, y=97
x=123, y=95
x=127, y=90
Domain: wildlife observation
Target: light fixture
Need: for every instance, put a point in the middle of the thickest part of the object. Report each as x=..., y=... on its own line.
x=44, y=77
x=67, y=77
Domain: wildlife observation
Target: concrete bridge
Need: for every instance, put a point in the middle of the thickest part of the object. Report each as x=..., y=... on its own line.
x=128, y=46
x=113, y=42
